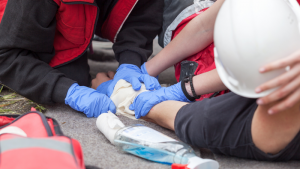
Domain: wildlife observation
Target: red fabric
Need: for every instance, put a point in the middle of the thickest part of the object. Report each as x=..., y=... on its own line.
x=58, y=158
x=78, y=153
x=74, y=30
x=116, y=19
x=88, y=1
x=76, y=23
x=35, y=129
x=5, y=120
x=204, y=58
x=2, y=8
x=37, y=158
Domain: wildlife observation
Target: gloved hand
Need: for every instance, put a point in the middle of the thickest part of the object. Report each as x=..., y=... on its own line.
x=88, y=101
x=144, y=70
x=146, y=100
x=103, y=87
x=133, y=75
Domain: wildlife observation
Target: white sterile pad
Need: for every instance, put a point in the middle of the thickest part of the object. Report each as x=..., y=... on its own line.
x=109, y=124
x=123, y=96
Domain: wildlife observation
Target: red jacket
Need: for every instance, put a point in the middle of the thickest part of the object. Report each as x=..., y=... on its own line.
x=56, y=32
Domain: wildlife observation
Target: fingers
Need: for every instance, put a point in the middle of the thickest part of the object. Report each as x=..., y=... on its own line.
x=94, y=84
x=112, y=107
x=280, y=93
x=137, y=105
x=136, y=84
x=143, y=104
x=150, y=82
x=281, y=80
x=282, y=63
x=131, y=107
x=100, y=78
x=111, y=74
x=102, y=75
x=110, y=88
x=287, y=103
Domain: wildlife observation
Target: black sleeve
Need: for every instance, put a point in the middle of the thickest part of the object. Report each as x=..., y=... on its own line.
x=27, y=32
x=134, y=43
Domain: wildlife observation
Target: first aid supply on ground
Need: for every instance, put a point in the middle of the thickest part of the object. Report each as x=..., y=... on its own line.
x=150, y=144
x=31, y=140
x=251, y=34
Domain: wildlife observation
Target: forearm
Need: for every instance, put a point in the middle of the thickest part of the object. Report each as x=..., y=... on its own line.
x=208, y=82
x=196, y=36
x=164, y=113
x=204, y=83
x=32, y=78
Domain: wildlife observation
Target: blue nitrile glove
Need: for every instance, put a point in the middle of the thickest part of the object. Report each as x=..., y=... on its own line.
x=103, y=87
x=146, y=100
x=144, y=70
x=133, y=75
x=88, y=101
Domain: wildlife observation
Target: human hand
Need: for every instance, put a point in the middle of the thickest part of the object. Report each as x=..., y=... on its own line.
x=88, y=101
x=101, y=78
x=288, y=93
x=133, y=75
x=146, y=100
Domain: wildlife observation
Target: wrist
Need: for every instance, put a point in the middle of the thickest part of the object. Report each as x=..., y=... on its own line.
x=61, y=89
x=72, y=89
x=70, y=92
x=128, y=66
x=185, y=92
x=145, y=71
x=188, y=88
x=129, y=57
x=102, y=88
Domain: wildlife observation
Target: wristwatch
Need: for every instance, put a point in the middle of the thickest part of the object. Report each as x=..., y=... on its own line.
x=187, y=93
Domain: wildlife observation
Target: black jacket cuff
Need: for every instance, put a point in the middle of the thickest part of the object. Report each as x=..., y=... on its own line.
x=61, y=89
x=129, y=57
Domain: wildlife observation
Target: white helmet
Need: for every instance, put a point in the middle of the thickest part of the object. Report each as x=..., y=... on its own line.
x=251, y=33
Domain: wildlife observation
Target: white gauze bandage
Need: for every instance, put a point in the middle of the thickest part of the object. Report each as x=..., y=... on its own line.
x=123, y=96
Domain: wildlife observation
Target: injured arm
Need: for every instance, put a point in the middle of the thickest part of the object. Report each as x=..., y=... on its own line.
x=164, y=113
x=196, y=36
x=208, y=82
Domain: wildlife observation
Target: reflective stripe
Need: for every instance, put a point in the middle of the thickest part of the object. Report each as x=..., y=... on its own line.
x=190, y=10
x=18, y=143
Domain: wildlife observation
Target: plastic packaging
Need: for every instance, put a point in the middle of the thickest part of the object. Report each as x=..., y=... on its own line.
x=150, y=144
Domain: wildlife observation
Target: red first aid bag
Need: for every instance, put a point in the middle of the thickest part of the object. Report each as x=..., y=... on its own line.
x=33, y=141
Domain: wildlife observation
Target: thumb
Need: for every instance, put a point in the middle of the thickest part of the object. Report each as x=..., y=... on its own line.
x=112, y=107
x=110, y=88
x=131, y=107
